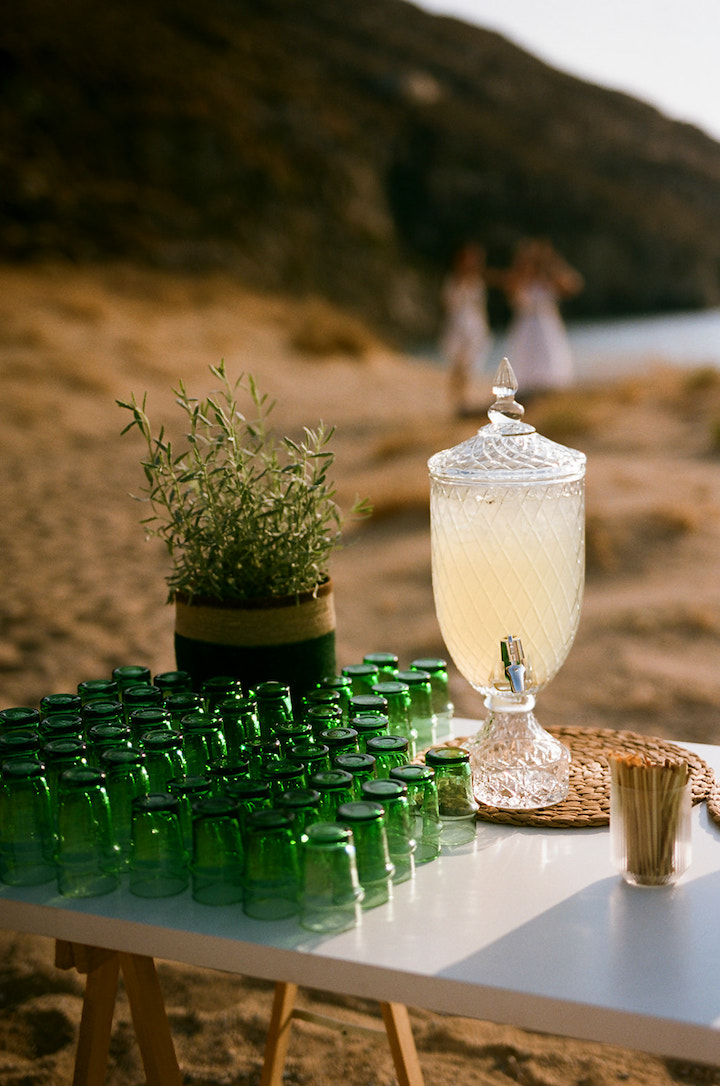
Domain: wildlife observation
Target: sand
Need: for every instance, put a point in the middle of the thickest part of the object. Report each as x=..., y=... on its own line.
x=84, y=591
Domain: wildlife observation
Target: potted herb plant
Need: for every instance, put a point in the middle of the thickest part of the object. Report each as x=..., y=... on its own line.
x=250, y=522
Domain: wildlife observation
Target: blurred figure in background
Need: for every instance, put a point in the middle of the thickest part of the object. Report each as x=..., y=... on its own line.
x=465, y=339
x=538, y=346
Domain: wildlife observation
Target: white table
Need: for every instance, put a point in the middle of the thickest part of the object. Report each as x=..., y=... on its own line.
x=531, y=927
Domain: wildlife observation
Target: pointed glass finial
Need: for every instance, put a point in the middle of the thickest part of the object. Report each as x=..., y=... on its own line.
x=505, y=386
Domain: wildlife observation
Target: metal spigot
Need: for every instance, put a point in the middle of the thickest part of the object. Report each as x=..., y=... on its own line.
x=514, y=662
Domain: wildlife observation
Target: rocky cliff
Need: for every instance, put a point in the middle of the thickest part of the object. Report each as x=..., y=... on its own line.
x=338, y=148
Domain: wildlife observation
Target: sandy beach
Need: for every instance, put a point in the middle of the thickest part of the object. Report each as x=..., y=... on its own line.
x=83, y=591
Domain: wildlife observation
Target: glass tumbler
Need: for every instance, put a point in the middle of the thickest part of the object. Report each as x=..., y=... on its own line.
x=27, y=834
x=456, y=801
x=86, y=857
x=188, y=790
x=335, y=787
x=125, y=778
x=330, y=892
x=361, y=768
x=271, y=881
x=216, y=866
x=392, y=795
x=367, y=821
x=423, y=801
x=388, y=751
x=158, y=859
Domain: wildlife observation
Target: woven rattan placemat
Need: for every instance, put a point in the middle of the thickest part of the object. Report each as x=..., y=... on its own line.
x=588, y=802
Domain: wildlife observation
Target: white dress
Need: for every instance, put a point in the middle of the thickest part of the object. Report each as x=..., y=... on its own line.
x=466, y=333
x=538, y=347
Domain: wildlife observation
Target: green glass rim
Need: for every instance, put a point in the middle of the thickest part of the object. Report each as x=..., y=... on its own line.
x=361, y=811
x=446, y=756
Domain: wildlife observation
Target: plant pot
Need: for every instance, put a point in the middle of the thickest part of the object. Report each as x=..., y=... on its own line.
x=289, y=639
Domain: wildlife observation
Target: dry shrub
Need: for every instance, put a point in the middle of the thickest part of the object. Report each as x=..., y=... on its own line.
x=703, y=379
x=628, y=543
x=322, y=330
x=715, y=437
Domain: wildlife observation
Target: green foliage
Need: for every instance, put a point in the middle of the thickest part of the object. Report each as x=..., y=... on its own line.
x=243, y=514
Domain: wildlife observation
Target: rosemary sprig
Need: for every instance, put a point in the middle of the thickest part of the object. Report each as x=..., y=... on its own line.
x=242, y=513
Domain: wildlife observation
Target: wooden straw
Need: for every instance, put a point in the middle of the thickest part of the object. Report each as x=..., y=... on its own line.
x=649, y=803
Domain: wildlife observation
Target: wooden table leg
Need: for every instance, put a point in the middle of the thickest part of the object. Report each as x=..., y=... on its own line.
x=101, y=968
x=402, y=1044
x=150, y=1020
x=278, y=1033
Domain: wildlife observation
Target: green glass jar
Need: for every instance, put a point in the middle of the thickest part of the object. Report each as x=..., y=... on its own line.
x=342, y=685
x=368, y=703
x=321, y=696
x=105, y=736
x=19, y=718
x=314, y=756
x=60, y=725
x=392, y=795
x=51, y=704
x=271, y=881
x=385, y=662
x=27, y=832
x=187, y=790
x=303, y=804
x=221, y=771
x=202, y=741
x=125, y=778
x=422, y=714
x=173, y=682
x=368, y=726
x=335, y=787
x=130, y=675
x=219, y=688
x=261, y=754
x=20, y=744
x=330, y=890
x=250, y=795
x=339, y=740
x=176, y=706
x=159, y=862
x=97, y=690
x=282, y=773
x=443, y=707
x=164, y=758
x=388, y=752
x=423, y=800
x=217, y=858
x=150, y=719
x=102, y=712
x=289, y=735
x=274, y=706
x=362, y=677
x=322, y=717
x=397, y=695
x=239, y=722
x=456, y=801
x=86, y=857
x=57, y=755
x=368, y=823
x=361, y=768
x=141, y=696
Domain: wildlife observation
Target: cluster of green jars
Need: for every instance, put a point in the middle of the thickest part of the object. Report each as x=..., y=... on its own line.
x=314, y=810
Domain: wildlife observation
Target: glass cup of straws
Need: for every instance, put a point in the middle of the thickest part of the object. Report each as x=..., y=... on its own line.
x=650, y=819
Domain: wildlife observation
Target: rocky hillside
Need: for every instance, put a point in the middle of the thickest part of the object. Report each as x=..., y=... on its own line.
x=338, y=148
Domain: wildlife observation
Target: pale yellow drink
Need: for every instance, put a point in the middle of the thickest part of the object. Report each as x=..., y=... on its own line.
x=508, y=560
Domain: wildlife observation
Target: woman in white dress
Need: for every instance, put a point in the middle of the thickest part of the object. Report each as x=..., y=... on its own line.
x=465, y=340
x=538, y=346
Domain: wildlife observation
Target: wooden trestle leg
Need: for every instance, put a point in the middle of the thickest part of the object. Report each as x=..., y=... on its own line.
x=147, y=1008
x=397, y=1027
